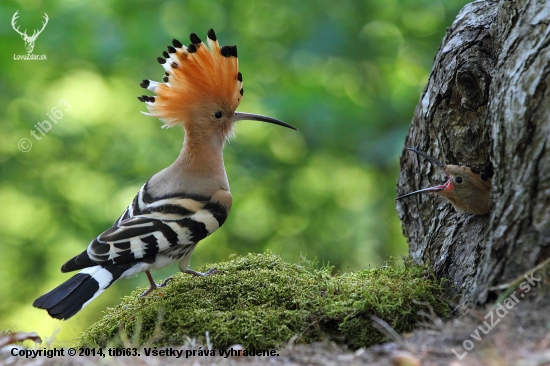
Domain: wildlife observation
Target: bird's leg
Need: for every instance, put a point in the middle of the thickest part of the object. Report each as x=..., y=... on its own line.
x=152, y=282
x=195, y=273
x=191, y=272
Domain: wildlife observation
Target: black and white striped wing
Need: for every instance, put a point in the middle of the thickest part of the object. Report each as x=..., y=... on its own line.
x=142, y=237
x=161, y=226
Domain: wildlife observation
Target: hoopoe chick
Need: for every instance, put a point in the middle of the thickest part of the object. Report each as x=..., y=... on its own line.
x=467, y=189
x=182, y=204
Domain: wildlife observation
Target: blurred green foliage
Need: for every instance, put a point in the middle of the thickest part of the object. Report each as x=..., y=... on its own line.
x=348, y=74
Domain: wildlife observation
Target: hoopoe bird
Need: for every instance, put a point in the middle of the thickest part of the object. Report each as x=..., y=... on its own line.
x=466, y=188
x=182, y=204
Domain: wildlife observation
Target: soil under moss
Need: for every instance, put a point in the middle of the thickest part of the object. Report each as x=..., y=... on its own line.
x=261, y=302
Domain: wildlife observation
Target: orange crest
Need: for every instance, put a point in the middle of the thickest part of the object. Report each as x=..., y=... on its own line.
x=194, y=77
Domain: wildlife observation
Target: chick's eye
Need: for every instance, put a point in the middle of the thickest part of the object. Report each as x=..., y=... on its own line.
x=458, y=180
x=218, y=114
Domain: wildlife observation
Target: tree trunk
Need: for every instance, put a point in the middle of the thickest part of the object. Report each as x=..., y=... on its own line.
x=486, y=105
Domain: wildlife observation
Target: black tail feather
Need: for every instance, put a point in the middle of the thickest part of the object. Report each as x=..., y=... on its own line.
x=72, y=295
x=59, y=293
x=75, y=301
x=69, y=298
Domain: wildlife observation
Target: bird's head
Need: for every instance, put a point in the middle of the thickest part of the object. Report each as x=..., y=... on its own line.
x=467, y=189
x=200, y=90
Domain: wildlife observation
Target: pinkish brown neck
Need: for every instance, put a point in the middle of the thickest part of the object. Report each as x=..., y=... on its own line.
x=202, y=159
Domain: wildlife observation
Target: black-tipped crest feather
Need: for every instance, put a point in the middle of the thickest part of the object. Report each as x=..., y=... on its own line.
x=194, y=38
x=212, y=35
x=177, y=43
x=225, y=51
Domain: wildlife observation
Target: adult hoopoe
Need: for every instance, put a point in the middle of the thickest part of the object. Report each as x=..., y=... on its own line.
x=181, y=204
x=468, y=189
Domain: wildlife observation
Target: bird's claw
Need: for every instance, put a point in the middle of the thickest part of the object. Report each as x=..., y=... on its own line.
x=202, y=274
x=153, y=288
x=165, y=282
x=145, y=293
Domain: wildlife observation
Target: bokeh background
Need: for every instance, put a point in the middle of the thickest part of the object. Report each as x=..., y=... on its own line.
x=347, y=73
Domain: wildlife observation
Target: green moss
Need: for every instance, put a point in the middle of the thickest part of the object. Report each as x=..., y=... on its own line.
x=261, y=302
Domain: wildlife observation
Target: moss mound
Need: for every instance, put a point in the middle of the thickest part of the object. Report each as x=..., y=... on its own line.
x=261, y=302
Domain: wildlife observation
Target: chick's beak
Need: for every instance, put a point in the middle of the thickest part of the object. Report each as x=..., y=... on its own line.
x=240, y=116
x=435, y=189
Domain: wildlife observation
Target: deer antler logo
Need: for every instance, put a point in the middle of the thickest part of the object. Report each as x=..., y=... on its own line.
x=29, y=41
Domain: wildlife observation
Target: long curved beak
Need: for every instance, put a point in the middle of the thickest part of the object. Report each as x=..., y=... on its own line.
x=433, y=160
x=240, y=116
x=431, y=189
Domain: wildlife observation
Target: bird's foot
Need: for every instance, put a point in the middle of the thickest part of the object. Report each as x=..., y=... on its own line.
x=151, y=289
x=201, y=274
x=165, y=282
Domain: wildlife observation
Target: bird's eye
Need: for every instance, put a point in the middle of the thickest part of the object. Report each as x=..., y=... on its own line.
x=458, y=180
x=218, y=114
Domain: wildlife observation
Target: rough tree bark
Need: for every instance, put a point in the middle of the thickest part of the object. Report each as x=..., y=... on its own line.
x=486, y=105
